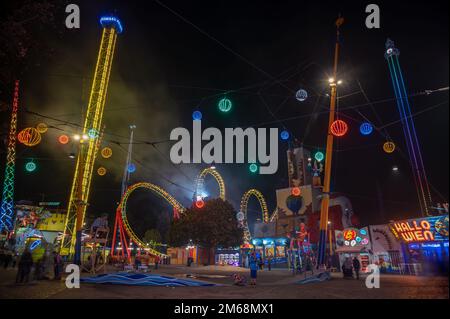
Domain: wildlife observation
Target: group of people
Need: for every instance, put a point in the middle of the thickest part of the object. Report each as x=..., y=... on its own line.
x=351, y=265
x=26, y=265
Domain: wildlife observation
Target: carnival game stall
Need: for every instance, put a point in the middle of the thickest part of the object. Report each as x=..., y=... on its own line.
x=424, y=243
x=354, y=242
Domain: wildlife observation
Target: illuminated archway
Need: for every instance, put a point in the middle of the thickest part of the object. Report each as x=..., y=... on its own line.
x=200, y=181
x=243, y=208
x=123, y=207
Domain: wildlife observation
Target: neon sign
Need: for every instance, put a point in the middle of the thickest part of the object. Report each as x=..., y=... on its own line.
x=422, y=229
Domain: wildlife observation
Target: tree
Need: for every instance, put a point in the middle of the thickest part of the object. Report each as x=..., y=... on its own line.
x=152, y=236
x=211, y=226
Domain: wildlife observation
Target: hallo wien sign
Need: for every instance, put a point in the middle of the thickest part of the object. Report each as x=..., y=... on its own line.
x=421, y=229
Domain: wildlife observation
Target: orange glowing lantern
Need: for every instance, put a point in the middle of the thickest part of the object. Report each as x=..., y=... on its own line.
x=339, y=128
x=296, y=191
x=106, y=152
x=389, y=147
x=199, y=203
x=42, y=128
x=63, y=139
x=101, y=171
x=29, y=136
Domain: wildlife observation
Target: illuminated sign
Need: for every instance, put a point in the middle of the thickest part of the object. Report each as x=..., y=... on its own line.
x=351, y=239
x=421, y=229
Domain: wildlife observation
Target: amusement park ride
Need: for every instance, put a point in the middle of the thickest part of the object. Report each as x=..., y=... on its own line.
x=301, y=207
x=79, y=195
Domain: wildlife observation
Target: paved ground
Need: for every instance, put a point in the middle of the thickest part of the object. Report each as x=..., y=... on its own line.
x=274, y=284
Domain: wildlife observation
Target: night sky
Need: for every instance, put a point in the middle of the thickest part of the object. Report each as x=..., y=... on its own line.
x=259, y=53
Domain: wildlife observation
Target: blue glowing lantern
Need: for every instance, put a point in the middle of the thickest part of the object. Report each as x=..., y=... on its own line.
x=196, y=115
x=366, y=128
x=131, y=168
x=301, y=95
x=284, y=135
x=225, y=105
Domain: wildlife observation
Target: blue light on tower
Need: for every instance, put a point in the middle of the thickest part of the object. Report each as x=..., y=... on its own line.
x=366, y=128
x=110, y=21
x=284, y=135
x=196, y=115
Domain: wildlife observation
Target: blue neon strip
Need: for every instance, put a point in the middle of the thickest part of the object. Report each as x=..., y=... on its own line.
x=406, y=128
x=417, y=144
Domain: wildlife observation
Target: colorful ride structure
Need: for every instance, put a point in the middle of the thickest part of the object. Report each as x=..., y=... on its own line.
x=125, y=252
x=79, y=194
x=200, y=183
x=242, y=215
x=7, y=205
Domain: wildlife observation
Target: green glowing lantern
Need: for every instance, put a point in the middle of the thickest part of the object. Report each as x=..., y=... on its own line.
x=30, y=166
x=225, y=105
x=253, y=168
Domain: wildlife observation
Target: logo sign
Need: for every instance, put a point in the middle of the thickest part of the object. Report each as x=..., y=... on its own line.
x=421, y=229
x=373, y=278
x=73, y=278
x=262, y=146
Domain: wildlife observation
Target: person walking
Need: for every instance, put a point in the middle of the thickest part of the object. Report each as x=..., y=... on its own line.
x=269, y=263
x=25, y=264
x=356, y=267
x=156, y=261
x=253, y=263
x=57, y=265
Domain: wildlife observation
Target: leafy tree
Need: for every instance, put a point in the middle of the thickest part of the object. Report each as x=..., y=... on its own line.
x=211, y=226
x=152, y=236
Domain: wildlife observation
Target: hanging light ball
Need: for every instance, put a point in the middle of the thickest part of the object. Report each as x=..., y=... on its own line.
x=93, y=133
x=199, y=203
x=389, y=147
x=366, y=128
x=106, y=152
x=296, y=191
x=131, y=168
x=196, y=115
x=63, y=139
x=319, y=156
x=240, y=216
x=29, y=136
x=30, y=166
x=284, y=135
x=225, y=105
x=301, y=95
x=101, y=171
x=253, y=168
x=339, y=128
x=42, y=128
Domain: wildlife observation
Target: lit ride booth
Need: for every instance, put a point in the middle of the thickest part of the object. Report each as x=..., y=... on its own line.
x=273, y=248
x=424, y=244
x=353, y=242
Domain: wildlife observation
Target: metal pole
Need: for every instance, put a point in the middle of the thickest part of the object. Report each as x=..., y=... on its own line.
x=329, y=153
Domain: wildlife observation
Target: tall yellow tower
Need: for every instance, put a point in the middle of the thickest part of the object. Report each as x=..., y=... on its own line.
x=89, y=140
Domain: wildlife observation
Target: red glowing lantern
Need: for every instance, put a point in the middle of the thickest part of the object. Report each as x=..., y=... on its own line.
x=296, y=191
x=29, y=136
x=63, y=139
x=339, y=128
x=200, y=203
